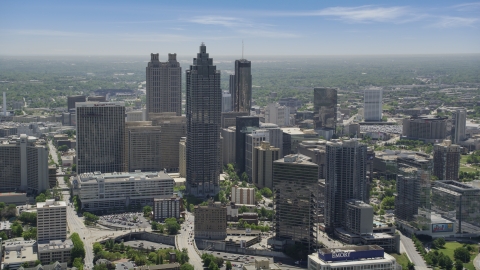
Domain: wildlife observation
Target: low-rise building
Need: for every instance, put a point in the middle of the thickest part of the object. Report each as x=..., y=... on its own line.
x=359, y=257
x=5, y=227
x=104, y=192
x=18, y=253
x=55, y=251
x=261, y=264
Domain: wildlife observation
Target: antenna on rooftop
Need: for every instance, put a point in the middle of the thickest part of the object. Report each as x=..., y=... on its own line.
x=242, y=48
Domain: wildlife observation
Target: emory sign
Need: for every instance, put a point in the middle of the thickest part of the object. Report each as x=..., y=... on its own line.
x=341, y=254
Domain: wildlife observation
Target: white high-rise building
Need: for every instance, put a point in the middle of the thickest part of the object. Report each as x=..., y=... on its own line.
x=277, y=114
x=372, y=104
x=253, y=140
x=51, y=220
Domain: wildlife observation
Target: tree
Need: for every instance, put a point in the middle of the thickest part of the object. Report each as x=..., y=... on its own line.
x=28, y=217
x=461, y=254
x=3, y=235
x=40, y=198
x=25, y=265
x=17, y=229
x=63, y=148
x=147, y=209
x=77, y=262
x=186, y=266
x=458, y=265
x=78, y=250
x=448, y=263
x=439, y=242
x=213, y=266
x=37, y=262
x=228, y=265
x=30, y=233
x=410, y=266
x=266, y=192
x=97, y=248
x=172, y=225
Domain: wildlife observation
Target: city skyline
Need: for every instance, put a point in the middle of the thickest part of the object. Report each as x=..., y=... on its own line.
x=267, y=28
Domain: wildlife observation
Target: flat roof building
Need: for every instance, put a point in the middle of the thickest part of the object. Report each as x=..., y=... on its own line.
x=426, y=128
x=446, y=160
x=262, y=161
x=51, y=220
x=107, y=191
x=210, y=221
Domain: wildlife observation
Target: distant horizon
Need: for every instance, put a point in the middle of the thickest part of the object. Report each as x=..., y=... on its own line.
x=308, y=27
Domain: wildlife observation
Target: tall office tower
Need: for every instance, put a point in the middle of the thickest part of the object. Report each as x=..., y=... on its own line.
x=51, y=220
x=253, y=140
x=100, y=135
x=244, y=124
x=4, y=107
x=295, y=186
x=173, y=128
x=23, y=165
x=277, y=114
x=226, y=102
x=275, y=135
x=164, y=85
x=345, y=179
x=142, y=147
x=241, y=88
x=372, y=104
x=460, y=116
x=204, y=108
x=263, y=158
x=446, y=160
x=228, y=145
x=182, y=157
x=413, y=187
x=325, y=108
x=71, y=100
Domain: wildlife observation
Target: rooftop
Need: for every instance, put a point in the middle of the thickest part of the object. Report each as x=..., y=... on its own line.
x=51, y=203
x=55, y=245
x=122, y=176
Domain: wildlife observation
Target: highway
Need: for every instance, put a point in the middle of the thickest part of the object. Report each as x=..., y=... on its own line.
x=407, y=246
x=183, y=241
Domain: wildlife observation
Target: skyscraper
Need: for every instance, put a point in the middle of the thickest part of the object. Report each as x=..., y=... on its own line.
x=100, y=136
x=325, y=108
x=71, y=100
x=242, y=125
x=204, y=107
x=295, y=187
x=345, y=179
x=164, y=85
x=142, y=147
x=372, y=104
x=241, y=87
x=460, y=116
x=446, y=160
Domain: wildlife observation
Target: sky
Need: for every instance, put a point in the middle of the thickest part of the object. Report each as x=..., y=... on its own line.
x=266, y=27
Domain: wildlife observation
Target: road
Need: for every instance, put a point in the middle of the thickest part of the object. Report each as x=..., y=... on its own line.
x=476, y=262
x=408, y=247
x=184, y=241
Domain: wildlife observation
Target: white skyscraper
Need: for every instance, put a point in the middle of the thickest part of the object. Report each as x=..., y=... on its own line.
x=372, y=104
x=226, y=101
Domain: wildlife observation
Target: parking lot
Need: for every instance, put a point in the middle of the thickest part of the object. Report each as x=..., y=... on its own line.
x=125, y=220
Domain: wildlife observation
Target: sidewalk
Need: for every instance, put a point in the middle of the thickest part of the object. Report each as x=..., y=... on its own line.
x=476, y=262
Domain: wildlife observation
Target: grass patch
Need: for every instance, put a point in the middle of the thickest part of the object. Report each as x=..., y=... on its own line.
x=402, y=259
x=450, y=248
x=467, y=169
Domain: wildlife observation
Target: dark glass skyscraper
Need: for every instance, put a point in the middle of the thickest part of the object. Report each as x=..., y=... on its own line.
x=204, y=107
x=241, y=86
x=242, y=125
x=325, y=108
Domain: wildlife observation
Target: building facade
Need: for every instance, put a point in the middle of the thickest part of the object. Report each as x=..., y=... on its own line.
x=325, y=108
x=71, y=100
x=204, y=107
x=228, y=145
x=243, y=195
x=427, y=128
x=253, y=140
x=142, y=147
x=295, y=186
x=226, y=102
x=277, y=114
x=51, y=220
x=166, y=207
x=262, y=161
x=182, y=159
x=100, y=136
x=412, y=192
x=460, y=124
x=446, y=160
x=243, y=123
x=108, y=191
x=345, y=179
x=173, y=128
x=24, y=165
x=164, y=85
x=372, y=104
x=359, y=217
x=210, y=221
x=242, y=86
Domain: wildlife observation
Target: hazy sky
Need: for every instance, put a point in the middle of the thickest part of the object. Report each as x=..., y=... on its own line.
x=267, y=27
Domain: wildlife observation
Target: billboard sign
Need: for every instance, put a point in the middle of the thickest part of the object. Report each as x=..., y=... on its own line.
x=442, y=227
x=342, y=255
